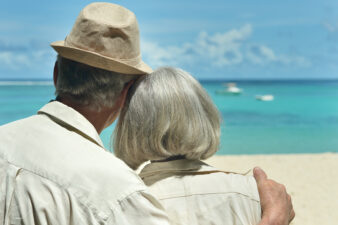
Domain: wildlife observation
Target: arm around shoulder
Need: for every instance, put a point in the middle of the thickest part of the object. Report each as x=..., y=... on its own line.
x=276, y=203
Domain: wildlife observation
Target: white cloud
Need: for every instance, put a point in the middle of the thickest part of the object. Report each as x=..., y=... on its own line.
x=219, y=50
x=233, y=35
x=223, y=48
x=158, y=55
x=18, y=57
x=262, y=55
x=13, y=61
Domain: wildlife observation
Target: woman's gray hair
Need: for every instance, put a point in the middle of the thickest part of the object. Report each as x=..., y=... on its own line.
x=87, y=85
x=167, y=113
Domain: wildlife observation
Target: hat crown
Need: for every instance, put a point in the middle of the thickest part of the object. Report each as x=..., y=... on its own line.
x=105, y=36
x=107, y=29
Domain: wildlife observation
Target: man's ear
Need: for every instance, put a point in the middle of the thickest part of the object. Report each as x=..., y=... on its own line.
x=115, y=111
x=55, y=73
x=122, y=99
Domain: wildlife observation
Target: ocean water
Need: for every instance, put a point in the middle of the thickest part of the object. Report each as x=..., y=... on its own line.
x=303, y=118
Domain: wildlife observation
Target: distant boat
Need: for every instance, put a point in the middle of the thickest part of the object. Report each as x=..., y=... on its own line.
x=230, y=90
x=265, y=97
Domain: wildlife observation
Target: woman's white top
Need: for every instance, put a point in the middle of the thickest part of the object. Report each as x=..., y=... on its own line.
x=193, y=192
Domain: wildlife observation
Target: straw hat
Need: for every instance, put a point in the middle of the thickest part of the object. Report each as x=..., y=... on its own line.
x=106, y=36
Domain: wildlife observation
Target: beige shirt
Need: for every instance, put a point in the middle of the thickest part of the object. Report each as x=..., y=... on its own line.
x=54, y=170
x=194, y=193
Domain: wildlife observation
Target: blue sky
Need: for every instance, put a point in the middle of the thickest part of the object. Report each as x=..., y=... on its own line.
x=243, y=39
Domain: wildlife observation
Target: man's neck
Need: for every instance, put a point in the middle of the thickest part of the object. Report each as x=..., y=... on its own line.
x=100, y=119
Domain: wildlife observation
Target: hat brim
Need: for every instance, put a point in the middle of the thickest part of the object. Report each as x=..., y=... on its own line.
x=98, y=60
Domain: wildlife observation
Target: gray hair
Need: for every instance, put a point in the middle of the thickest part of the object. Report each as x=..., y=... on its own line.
x=89, y=86
x=167, y=113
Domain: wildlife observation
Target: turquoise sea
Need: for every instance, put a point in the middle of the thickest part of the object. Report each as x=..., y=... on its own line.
x=303, y=118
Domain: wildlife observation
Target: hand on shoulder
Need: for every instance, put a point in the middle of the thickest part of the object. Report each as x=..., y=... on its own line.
x=276, y=203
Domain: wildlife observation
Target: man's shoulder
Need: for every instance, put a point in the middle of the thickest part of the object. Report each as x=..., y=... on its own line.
x=56, y=197
x=73, y=163
x=19, y=122
x=41, y=146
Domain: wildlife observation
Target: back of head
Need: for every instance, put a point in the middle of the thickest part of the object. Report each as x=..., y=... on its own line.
x=167, y=113
x=89, y=86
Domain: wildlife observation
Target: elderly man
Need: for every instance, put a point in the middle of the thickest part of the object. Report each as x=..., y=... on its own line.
x=53, y=166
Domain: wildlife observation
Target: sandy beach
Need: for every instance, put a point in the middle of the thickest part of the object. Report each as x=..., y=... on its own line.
x=311, y=179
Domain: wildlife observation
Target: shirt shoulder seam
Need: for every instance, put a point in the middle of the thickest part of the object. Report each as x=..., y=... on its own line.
x=210, y=193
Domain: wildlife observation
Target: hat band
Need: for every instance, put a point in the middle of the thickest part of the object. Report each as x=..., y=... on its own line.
x=133, y=61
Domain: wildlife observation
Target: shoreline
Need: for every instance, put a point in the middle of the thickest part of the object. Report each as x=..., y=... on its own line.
x=310, y=179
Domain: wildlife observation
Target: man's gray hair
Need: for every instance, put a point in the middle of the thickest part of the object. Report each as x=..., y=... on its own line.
x=89, y=86
x=167, y=113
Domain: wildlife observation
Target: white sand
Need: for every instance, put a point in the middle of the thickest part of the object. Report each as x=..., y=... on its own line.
x=311, y=179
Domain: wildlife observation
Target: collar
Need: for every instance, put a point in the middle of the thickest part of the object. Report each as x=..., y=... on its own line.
x=179, y=167
x=175, y=166
x=72, y=120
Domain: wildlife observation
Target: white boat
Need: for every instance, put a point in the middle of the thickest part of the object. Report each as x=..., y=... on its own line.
x=230, y=90
x=265, y=97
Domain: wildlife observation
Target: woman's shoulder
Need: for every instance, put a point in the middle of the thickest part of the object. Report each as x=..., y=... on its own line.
x=204, y=192
x=194, y=177
x=226, y=182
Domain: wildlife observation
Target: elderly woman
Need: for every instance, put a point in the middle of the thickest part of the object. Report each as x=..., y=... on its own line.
x=170, y=120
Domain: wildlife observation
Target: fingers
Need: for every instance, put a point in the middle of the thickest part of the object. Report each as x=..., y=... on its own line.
x=259, y=175
x=292, y=212
x=275, y=201
x=289, y=199
x=292, y=215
